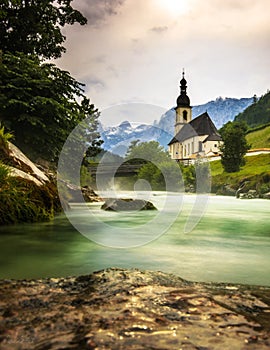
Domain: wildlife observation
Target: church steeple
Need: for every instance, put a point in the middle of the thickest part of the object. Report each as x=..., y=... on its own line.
x=183, y=99
x=183, y=108
x=183, y=84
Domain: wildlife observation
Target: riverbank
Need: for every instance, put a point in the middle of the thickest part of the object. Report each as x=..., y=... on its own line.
x=253, y=176
x=28, y=190
x=132, y=309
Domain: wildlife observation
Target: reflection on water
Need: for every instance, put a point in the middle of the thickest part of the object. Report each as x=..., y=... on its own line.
x=230, y=244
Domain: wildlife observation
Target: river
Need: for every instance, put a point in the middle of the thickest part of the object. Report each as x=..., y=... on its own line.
x=231, y=242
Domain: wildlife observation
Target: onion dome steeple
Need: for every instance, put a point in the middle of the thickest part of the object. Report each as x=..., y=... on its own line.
x=183, y=99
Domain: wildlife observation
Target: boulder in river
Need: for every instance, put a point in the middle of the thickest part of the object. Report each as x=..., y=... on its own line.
x=266, y=195
x=127, y=204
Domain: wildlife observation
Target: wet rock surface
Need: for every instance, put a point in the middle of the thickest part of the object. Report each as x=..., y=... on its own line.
x=127, y=204
x=132, y=309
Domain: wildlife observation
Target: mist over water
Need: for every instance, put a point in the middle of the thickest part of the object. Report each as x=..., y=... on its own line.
x=231, y=243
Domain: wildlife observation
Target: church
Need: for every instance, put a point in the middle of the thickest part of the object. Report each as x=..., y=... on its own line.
x=194, y=138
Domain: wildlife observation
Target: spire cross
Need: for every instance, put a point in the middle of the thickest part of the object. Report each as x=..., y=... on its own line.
x=183, y=73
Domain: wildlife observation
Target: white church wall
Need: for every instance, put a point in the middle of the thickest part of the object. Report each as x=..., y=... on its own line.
x=211, y=146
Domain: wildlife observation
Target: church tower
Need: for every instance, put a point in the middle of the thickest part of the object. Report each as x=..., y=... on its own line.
x=183, y=109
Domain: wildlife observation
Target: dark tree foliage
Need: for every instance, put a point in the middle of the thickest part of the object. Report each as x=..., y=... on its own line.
x=41, y=105
x=256, y=114
x=34, y=26
x=234, y=146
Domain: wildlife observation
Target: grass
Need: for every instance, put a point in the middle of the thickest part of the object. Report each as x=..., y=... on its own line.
x=22, y=200
x=256, y=171
x=259, y=138
x=255, y=165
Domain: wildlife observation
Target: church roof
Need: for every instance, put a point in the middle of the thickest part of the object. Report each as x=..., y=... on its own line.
x=202, y=125
x=213, y=137
x=183, y=99
x=186, y=132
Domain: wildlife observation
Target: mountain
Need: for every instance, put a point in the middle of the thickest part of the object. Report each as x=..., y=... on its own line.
x=223, y=110
x=117, y=138
x=258, y=113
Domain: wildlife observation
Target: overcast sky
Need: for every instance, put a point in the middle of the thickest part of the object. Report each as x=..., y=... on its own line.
x=134, y=50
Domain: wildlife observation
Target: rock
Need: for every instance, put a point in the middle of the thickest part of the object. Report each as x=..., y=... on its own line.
x=251, y=194
x=19, y=173
x=266, y=195
x=127, y=204
x=32, y=196
x=18, y=160
x=226, y=190
x=75, y=193
x=132, y=309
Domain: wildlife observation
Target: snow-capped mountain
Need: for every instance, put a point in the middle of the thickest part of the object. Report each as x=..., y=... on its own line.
x=117, y=138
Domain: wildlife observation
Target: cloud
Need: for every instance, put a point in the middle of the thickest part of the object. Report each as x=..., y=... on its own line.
x=96, y=11
x=233, y=5
x=159, y=29
x=96, y=84
x=134, y=51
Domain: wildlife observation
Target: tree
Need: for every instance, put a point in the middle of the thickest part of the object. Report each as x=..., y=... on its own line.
x=34, y=26
x=255, y=98
x=146, y=151
x=257, y=113
x=234, y=146
x=159, y=170
x=41, y=105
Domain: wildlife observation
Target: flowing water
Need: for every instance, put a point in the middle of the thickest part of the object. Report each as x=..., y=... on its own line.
x=231, y=243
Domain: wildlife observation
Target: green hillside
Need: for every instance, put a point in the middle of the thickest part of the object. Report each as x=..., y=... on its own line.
x=258, y=113
x=259, y=138
x=256, y=171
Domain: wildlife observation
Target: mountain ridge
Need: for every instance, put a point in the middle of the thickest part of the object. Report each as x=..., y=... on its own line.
x=257, y=113
x=117, y=138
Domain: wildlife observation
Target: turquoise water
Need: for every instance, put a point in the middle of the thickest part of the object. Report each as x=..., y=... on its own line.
x=231, y=243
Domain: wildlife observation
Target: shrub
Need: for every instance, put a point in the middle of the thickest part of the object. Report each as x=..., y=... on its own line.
x=22, y=200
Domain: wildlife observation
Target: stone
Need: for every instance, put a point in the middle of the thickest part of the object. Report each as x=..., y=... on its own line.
x=132, y=309
x=127, y=204
x=266, y=195
x=19, y=160
x=75, y=193
x=251, y=194
x=19, y=173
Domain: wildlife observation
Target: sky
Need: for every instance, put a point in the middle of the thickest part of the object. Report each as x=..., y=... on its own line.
x=134, y=51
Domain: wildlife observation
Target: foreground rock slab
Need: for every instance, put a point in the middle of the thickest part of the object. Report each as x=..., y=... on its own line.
x=132, y=309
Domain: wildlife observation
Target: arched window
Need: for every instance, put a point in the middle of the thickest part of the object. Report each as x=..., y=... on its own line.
x=185, y=115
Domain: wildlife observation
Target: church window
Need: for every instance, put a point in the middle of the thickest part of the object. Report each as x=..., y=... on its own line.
x=200, y=146
x=185, y=115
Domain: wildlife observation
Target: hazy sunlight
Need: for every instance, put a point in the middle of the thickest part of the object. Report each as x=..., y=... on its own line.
x=175, y=6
